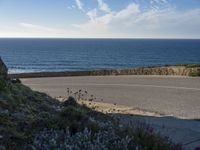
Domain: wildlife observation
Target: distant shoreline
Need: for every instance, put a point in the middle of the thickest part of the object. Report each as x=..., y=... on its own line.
x=176, y=70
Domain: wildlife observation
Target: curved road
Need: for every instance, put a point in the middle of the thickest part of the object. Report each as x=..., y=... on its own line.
x=177, y=96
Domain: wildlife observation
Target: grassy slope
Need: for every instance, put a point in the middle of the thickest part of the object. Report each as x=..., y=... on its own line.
x=31, y=120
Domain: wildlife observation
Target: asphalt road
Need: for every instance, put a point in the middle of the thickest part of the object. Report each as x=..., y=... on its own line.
x=177, y=96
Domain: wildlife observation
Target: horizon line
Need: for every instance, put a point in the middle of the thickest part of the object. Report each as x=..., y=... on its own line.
x=100, y=38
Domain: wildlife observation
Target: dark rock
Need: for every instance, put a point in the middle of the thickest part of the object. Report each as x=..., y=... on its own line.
x=2, y=147
x=19, y=115
x=4, y=112
x=3, y=68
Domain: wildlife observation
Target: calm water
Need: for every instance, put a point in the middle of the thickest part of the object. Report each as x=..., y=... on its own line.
x=35, y=55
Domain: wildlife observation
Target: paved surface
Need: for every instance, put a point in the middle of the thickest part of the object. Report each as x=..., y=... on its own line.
x=186, y=132
x=177, y=96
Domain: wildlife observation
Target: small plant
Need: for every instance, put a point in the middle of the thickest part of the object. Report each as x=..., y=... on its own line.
x=194, y=74
x=16, y=81
x=70, y=102
x=62, y=139
x=74, y=114
x=189, y=65
x=3, y=84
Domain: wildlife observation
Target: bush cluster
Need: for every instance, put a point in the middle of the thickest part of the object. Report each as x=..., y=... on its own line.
x=195, y=74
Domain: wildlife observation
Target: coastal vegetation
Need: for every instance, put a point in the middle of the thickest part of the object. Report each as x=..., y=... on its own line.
x=189, y=65
x=176, y=70
x=34, y=120
x=195, y=73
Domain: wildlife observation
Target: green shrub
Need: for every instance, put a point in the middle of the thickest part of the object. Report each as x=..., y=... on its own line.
x=70, y=102
x=74, y=114
x=94, y=127
x=194, y=74
x=189, y=65
x=3, y=84
x=16, y=81
x=76, y=118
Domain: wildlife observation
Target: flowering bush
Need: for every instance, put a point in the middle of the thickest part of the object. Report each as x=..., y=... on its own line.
x=86, y=140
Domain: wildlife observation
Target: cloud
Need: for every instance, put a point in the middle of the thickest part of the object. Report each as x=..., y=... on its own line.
x=159, y=4
x=131, y=9
x=40, y=28
x=135, y=22
x=103, y=6
x=35, y=30
x=125, y=13
x=158, y=1
x=79, y=4
x=100, y=25
x=92, y=14
x=35, y=26
x=71, y=7
x=28, y=25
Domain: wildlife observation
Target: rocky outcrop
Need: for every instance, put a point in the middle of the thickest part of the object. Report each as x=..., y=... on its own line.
x=3, y=68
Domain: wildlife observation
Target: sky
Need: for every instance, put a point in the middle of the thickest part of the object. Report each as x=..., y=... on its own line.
x=100, y=18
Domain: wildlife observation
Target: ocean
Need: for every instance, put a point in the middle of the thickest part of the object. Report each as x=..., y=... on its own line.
x=53, y=55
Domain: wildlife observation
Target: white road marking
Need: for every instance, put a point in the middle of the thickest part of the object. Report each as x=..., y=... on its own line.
x=128, y=85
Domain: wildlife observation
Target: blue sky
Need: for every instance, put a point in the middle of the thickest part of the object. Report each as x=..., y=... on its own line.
x=100, y=18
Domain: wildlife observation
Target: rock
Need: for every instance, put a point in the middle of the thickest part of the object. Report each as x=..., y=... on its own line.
x=3, y=68
x=19, y=115
x=2, y=147
x=4, y=112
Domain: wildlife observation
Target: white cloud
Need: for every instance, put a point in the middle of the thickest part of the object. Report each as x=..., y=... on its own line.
x=99, y=25
x=159, y=4
x=103, y=6
x=28, y=25
x=159, y=1
x=134, y=22
x=71, y=7
x=79, y=4
x=35, y=30
x=34, y=26
x=92, y=14
x=131, y=9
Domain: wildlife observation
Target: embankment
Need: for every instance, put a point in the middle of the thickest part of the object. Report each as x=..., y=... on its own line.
x=183, y=70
